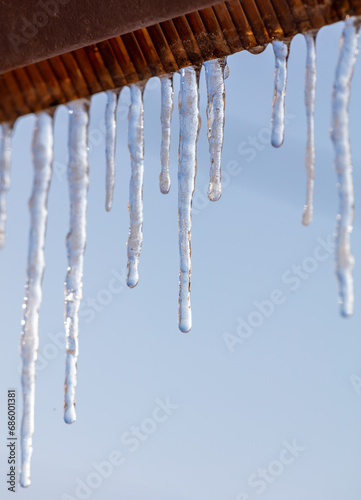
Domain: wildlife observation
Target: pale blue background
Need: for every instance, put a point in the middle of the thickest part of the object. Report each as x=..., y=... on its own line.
x=290, y=380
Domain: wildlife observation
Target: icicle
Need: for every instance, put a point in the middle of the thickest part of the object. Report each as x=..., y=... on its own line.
x=187, y=168
x=110, y=122
x=310, y=93
x=343, y=162
x=5, y=155
x=78, y=179
x=281, y=51
x=136, y=149
x=42, y=158
x=166, y=118
x=215, y=121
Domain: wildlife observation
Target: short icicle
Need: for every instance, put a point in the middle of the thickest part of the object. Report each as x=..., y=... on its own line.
x=42, y=159
x=5, y=156
x=166, y=82
x=310, y=94
x=111, y=130
x=215, y=75
x=281, y=51
x=136, y=149
x=78, y=180
x=343, y=162
x=187, y=168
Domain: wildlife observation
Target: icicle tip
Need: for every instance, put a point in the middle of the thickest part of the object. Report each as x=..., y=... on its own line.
x=133, y=274
x=164, y=182
x=307, y=216
x=24, y=480
x=214, y=191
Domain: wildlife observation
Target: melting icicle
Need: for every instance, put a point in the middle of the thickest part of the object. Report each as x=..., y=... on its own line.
x=136, y=149
x=187, y=168
x=110, y=121
x=343, y=162
x=281, y=51
x=166, y=119
x=78, y=179
x=310, y=94
x=42, y=158
x=5, y=154
x=215, y=120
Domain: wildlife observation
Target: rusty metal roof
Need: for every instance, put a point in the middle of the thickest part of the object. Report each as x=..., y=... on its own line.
x=212, y=32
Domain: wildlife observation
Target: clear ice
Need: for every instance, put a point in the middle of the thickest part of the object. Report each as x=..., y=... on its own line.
x=166, y=82
x=111, y=136
x=5, y=156
x=187, y=167
x=343, y=162
x=78, y=180
x=136, y=149
x=310, y=95
x=281, y=51
x=42, y=159
x=215, y=75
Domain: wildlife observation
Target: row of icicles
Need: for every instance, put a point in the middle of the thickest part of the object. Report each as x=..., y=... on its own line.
x=216, y=71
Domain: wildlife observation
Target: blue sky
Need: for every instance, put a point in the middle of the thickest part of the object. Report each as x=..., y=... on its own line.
x=231, y=415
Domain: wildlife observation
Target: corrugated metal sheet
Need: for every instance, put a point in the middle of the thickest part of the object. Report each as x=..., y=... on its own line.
x=213, y=32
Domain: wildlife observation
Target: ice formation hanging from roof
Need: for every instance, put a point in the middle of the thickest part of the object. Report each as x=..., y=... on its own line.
x=136, y=149
x=281, y=51
x=189, y=124
x=343, y=162
x=215, y=75
x=310, y=95
x=110, y=142
x=78, y=180
x=166, y=83
x=42, y=159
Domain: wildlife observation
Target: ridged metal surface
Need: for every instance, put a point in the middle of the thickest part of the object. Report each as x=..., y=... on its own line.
x=221, y=30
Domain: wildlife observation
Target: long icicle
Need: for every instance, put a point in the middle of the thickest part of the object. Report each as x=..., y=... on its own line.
x=78, y=179
x=215, y=70
x=310, y=95
x=343, y=162
x=111, y=131
x=42, y=159
x=187, y=169
x=136, y=149
x=166, y=82
x=281, y=51
x=5, y=156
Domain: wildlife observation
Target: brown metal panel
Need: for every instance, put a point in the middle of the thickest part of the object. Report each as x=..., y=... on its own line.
x=253, y=16
x=211, y=24
x=27, y=89
x=51, y=82
x=87, y=70
x=63, y=78
x=39, y=85
x=111, y=63
x=202, y=39
x=216, y=31
x=138, y=59
x=236, y=39
x=123, y=58
x=149, y=52
x=162, y=47
x=189, y=42
x=31, y=32
x=175, y=43
x=75, y=74
x=100, y=70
